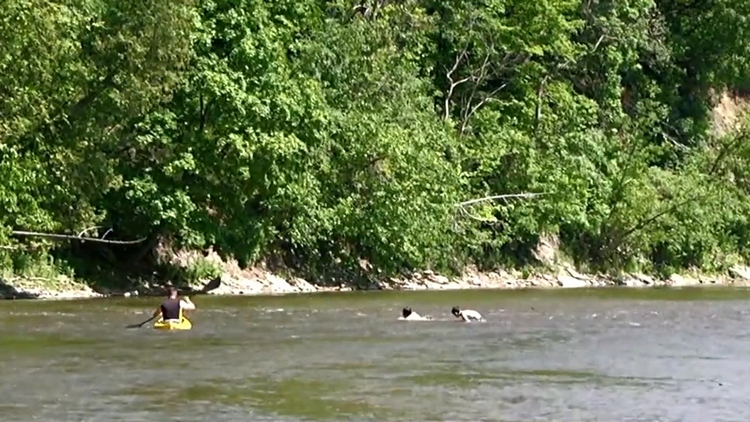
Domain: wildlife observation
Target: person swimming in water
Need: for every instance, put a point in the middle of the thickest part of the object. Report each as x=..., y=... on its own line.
x=467, y=315
x=408, y=315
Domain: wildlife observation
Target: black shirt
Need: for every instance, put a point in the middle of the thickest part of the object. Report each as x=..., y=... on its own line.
x=170, y=309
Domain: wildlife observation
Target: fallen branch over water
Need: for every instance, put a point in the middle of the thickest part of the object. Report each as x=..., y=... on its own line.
x=78, y=237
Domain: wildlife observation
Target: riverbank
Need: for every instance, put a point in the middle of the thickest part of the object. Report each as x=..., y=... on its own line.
x=259, y=281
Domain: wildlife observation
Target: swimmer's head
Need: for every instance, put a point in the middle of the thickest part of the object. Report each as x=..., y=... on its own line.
x=406, y=312
x=455, y=311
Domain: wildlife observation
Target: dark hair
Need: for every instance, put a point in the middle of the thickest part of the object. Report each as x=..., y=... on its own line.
x=455, y=310
x=171, y=291
x=406, y=312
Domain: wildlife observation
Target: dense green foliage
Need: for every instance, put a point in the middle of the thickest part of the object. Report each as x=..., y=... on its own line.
x=321, y=133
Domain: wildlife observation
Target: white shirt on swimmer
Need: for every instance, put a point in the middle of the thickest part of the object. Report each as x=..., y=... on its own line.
x=470, y=315
x=414, y=317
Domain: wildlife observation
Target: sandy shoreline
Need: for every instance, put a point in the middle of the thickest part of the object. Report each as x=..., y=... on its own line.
x=261, y=282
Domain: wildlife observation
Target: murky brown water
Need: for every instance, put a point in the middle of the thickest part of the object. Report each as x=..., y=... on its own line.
x=583, y=355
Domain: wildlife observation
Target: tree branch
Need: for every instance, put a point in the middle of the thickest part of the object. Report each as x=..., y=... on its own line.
x=478, y=78
x=538, y=108
x=484, y=101
x=736, y=142
x=648, y=221
x=496, y=197
x=87, y=230
x=453, y=84
x=615, y=196
x=598, y=42
x=72, y=237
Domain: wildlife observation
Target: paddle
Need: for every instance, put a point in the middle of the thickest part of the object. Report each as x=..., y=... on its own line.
x=143, y=323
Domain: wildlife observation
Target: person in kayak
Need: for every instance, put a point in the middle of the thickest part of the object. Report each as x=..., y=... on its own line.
x=467, y=314
x=171, y=308
x=408, y=315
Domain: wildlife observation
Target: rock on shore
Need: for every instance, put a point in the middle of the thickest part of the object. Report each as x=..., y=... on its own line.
x=44, y=288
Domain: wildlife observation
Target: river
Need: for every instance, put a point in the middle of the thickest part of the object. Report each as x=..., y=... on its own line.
x=556, y=355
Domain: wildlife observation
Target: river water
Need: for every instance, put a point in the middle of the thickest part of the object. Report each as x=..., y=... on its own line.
x=573, y=355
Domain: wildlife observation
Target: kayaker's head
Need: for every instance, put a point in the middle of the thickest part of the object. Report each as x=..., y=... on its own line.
x=172, y=292
x=456, y=312
x=406, y=312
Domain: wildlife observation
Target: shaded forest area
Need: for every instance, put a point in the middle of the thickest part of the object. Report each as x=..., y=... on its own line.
x=322, y=134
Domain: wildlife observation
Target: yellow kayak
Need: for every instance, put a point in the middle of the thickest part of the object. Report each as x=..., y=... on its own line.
x=184, y=324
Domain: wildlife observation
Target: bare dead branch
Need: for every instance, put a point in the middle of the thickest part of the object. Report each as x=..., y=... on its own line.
x=478, y=78
x=507, y=61
x=453, y=84
x=596, y=46
x=362, y=8
x=675, y=143
x=503, y=197
x=72, y=237
x=476, y=107
x=736, y=142
x=538, y=108
x=87, y=230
